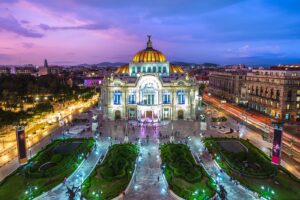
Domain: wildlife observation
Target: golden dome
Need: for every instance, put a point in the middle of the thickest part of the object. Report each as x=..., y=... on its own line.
x=149, y=54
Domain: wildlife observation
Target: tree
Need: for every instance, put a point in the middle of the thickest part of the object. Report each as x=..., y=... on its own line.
x=72, y=192
x=201, y=89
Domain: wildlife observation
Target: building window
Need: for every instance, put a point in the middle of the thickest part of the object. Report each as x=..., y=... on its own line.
x=133, y=70
x=159, y=69
x=144, y=69
x=149, y=99
x=149, y=69
x=181, y=97
x=166, y=99
x=138, y=69
x=298, y=106
x=298, y=92
x=154, y=69
x=164, y=70
x=289, y=95
x=117, y=97
x=131, y=99
x=298, y=99
x=277, y=94
x=288, y=106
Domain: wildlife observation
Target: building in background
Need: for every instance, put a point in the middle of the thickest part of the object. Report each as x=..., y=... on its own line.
x=26, y=70
x=149, y=89
x=5, y=70
x=275, y=91
x=228, y=85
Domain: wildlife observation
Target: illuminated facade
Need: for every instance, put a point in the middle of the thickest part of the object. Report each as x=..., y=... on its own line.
x=149, y=89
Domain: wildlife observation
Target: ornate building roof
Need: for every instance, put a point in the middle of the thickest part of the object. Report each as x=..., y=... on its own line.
x=124, y=69
x=149, y=54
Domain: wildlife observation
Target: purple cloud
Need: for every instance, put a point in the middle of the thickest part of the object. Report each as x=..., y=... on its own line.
x=27, y=45
x=93, y=26
x=9, y=23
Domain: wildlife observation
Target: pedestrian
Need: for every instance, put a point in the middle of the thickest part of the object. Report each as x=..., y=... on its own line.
x=157, y=178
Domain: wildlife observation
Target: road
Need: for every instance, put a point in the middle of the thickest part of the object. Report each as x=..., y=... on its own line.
x=9, y=161
x=37, y=131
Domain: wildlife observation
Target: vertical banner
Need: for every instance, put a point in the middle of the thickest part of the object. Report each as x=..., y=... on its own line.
x=21, y=142
x=277, y=142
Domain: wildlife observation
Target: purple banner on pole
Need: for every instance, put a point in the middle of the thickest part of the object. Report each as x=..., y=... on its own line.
x=277, y=141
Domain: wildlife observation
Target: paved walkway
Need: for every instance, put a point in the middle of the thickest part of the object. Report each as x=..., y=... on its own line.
x=234, y=191
x=145, y=184
x=84, y=170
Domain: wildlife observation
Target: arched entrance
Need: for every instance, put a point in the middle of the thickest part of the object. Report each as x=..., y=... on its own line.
x=180, y=114
x=117, y=114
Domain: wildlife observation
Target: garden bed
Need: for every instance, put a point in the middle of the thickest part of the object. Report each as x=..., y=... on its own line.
x=254, y=169
x=185, y=178
x=45, y=170
x=111, y=177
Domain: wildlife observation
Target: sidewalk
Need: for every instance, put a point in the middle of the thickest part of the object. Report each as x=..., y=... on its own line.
x=81, y=173
x=145, y=184
x=234, y=192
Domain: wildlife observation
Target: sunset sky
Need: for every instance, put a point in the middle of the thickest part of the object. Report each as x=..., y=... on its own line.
x=72, y=32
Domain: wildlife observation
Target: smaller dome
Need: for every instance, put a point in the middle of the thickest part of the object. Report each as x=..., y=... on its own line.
x=176, y=69
x=124, y=69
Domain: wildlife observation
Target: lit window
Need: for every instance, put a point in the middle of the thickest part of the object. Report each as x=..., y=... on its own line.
x=131, y=99
x=298, y=99
x=117, y=97
x=288, y=106
x=298, y=92
x=181, y=97
x=166, y=98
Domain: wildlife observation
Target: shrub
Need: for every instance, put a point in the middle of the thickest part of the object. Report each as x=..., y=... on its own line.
x=56, y=158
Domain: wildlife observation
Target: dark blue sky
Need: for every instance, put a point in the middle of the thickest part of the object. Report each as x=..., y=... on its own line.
x=76, y=31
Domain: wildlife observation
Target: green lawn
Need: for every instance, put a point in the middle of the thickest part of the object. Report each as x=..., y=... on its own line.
x=110, y=178
x=262, y=180
x=187, y=179
x=63, y=157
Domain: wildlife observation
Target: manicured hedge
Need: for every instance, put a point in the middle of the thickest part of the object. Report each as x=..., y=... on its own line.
x=110, y=178
x=15, y=185
x=282, y=186
x=184, y=176
x=235, y=160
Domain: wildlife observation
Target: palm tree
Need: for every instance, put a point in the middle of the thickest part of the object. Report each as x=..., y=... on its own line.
x=222, y=192
x=72, y=192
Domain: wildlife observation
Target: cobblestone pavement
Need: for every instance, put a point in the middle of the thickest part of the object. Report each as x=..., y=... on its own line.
x=148, y=182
